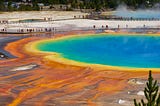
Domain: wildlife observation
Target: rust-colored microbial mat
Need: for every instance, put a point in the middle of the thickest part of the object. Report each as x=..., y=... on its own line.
x=32, y=80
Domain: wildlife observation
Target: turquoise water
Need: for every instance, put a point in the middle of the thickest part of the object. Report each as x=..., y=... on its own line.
x=31, y=20
x=137, y=51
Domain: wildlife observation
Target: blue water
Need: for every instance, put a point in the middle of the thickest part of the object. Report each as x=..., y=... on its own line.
x=137, y=51
x=138, y=14
x=31, y=20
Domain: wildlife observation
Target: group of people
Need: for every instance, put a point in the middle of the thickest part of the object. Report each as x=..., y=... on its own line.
x=118, y=26
x=106, y=27
x=3, y=22
x=80, y=16
x=28, y=30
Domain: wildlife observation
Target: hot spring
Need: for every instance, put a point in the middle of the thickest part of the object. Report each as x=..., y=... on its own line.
x=133, y=51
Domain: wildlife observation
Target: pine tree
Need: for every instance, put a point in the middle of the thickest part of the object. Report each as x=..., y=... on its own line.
x=151, y=93
x=2, y=6
x=35, y=6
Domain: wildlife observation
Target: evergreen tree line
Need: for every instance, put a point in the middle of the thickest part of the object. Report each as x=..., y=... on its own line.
x=84, y=4
x=103, y=4
x=8, y=5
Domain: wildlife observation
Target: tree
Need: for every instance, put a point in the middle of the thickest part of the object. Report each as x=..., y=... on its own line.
x=25, y=8
x=35, y=6
x=9, y=7
x=151, y=93
x=97, y=4
x=81, y=5
x=2, y=6
x=113, y=4
x=74, y=4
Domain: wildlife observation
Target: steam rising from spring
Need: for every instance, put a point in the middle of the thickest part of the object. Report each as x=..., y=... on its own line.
x=122, y=11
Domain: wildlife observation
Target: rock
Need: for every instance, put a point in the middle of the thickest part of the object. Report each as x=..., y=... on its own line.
x=129, y=92
x=2, y=56
x=136, y=82
x=139, y=83
x=23, y=68
x=120, y=101
x=140, y=93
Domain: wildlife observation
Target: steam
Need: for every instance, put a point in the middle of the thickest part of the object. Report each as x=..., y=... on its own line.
x=152, y=13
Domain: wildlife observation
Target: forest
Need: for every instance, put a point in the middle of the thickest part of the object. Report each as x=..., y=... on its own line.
x=97, y=5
